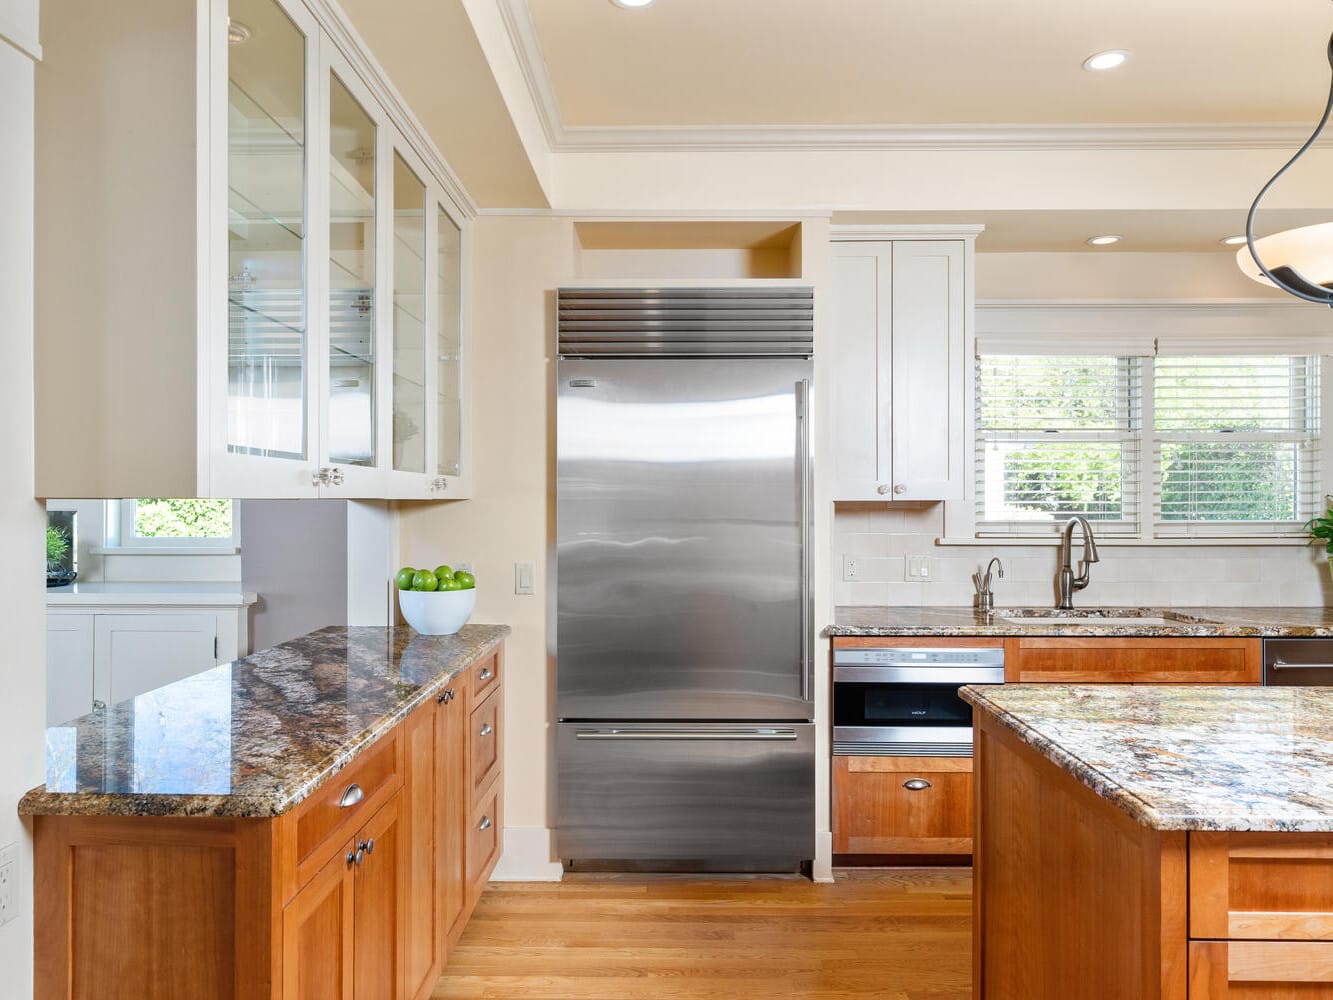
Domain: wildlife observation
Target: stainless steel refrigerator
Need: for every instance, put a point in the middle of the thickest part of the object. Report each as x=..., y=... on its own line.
x=683, y=635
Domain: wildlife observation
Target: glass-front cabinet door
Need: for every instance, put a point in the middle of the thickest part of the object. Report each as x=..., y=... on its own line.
x=262, y=416
x=409, y=318
x=449, y=345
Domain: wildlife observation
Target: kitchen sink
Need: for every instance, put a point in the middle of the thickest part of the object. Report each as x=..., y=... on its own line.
x=1099, y=617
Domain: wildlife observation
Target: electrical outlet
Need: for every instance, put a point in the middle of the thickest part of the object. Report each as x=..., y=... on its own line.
x=920, y=569
x=9, y=882
x=525, y=578
x=465, y=567
x=851, y=568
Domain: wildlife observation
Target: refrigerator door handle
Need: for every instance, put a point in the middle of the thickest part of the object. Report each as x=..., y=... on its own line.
x=785, y=735
x=803, y=470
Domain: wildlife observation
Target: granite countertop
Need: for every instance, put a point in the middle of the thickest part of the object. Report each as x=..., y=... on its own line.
x=1180, y=622
x=1184, y=758
x=134, y=594
x=253, y=737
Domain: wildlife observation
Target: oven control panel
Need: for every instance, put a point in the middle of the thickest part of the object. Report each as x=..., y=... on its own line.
x=915, y=656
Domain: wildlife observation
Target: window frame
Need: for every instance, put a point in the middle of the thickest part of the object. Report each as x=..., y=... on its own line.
x=122, y=538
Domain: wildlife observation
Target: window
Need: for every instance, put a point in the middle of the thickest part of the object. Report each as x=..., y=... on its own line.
x=1211, y=445
x=179, y=522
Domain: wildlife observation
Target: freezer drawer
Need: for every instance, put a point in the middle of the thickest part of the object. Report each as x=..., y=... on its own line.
x=712, y=795
x=1298, y=662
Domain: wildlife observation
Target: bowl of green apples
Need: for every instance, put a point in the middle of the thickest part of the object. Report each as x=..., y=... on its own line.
x=438, y=601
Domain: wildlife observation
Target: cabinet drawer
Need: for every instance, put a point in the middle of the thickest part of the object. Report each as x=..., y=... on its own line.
x=1261, y=970
x=1261, y=886
x=1134, y=661
x=485, y=677
x=483, y=839
x=902, y=805
x=346, y=800
x=484, y=742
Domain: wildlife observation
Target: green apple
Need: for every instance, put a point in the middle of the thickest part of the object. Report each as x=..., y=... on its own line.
x=467, y=580
x=443, y=572
x=404, y=578
x=424, y=579
x=451, y=583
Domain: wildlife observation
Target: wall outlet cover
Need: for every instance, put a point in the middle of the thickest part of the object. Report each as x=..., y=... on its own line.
x=851, y=568
x=9, y=882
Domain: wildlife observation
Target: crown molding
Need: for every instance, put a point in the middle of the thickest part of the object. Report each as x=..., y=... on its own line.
x=564, y=138
x=15, y=35
x=334, y=21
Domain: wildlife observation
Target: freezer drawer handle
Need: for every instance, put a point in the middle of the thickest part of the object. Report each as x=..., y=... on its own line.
x=785, y=735
x=1284, y=665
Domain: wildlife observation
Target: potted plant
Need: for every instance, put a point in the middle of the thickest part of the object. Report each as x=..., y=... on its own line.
x=58, y=571
x=1321, y=529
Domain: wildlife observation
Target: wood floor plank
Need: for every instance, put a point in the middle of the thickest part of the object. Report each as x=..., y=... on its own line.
x=892, y=935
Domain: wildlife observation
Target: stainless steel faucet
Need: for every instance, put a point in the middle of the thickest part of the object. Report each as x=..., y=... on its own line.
x=986, y=596
x=1067, y=581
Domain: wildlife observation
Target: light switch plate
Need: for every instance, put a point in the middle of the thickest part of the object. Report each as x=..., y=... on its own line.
x=9, y=882
x=920, y=569
x=525, y=578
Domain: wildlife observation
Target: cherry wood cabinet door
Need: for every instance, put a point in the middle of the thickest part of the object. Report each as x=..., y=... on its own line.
x=1118, y=660
x=902, y=805
x=1261, y=886
x=317, y=934
x=1261, y=970
x=451, y=809
x=421, y=946
x=378, y=910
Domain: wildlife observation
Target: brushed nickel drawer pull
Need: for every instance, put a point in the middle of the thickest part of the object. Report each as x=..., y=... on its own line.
x=486, y=729
x=485, y=823
x=352, y=796
x=916, y=784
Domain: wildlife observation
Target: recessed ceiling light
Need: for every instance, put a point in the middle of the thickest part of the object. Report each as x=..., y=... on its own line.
x=1103, y=241
x=237, y=32
x=1109, y=59
x=1232, y=241
x=631, y=4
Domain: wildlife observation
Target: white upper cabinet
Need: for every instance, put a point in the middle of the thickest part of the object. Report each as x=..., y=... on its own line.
x=250, y=282
x=901, y=312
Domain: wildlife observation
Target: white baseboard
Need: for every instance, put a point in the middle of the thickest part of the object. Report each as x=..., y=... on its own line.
x=527, y=857
x=822, y=870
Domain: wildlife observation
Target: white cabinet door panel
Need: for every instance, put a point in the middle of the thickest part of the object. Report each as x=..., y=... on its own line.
x=137, y=653
x=69, y=667
x=862, y=446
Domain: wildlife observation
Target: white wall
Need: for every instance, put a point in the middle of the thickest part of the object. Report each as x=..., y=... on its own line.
x=22, y=519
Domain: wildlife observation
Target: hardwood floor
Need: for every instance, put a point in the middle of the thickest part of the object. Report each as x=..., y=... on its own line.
x=890, y=934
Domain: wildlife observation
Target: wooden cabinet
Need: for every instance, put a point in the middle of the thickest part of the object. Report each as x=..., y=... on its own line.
x=1261, y=970
x=307, y=249
x=1098, y=660
x=901, y=311
x=902, y=805
x=356, y=894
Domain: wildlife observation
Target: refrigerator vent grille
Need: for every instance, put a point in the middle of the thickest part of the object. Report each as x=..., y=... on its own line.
x=686, y=321
x=846, y=748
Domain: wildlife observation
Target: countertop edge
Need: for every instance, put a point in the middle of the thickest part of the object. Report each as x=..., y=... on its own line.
x=1098, y=782
x=39, y=802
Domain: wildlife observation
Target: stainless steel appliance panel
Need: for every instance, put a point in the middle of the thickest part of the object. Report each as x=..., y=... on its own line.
x=1298, y=662
x=715, y=795
x=682, y=516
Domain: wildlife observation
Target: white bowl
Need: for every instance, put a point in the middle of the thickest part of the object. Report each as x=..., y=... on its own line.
x=437, y=612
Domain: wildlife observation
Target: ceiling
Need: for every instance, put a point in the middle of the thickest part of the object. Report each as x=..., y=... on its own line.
x=438, y=65
x=1058, y=232
x=883, y=62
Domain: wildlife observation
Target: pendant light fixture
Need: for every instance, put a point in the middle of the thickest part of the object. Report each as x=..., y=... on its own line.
x=1303, y=258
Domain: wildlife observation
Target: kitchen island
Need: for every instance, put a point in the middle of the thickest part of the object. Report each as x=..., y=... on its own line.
x=313, y=820
x=1153, y=842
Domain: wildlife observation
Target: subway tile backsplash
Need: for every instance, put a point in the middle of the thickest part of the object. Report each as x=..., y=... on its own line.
x=881, y=540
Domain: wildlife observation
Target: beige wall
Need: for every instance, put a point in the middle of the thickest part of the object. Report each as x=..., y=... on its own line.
x=23, y=662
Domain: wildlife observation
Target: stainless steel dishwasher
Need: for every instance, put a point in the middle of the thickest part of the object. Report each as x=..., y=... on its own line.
x=1292, y=662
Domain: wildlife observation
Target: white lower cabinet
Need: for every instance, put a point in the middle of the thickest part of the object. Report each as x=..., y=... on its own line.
x=900, y=330
x=106, y=657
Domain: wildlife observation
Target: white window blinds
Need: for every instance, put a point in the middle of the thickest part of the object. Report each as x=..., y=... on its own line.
x=1200, y=444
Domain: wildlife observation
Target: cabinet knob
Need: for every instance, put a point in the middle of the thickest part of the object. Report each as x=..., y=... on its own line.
x=336, y=476
x=486, y=729
x=329, y=475
x=486, y=674
x=439, y=484
x=99, y=705
x=899, y=489
x=916, y=784
x=882, y=489
x=367, y=845
x=442, y=697
x=485, y=823
x=351, y=858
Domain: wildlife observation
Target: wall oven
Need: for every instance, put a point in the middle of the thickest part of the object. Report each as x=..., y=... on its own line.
x=903, y=701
